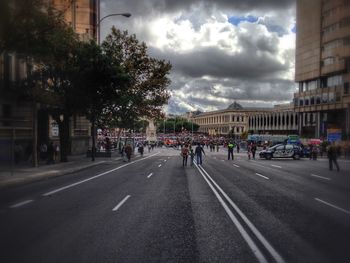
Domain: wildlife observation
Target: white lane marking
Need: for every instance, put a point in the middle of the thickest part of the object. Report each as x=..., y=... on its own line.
x=257, y=233
x=21, y=203
x=222, y=160
x=235, y=165
x=334, y=206
x=256, y=251
x=262, y=176
x=318, y=176
x=165, y=161
x=160, y=165
x=121, y=203
x=149, y=175
x=277, y=166
x=96, y=176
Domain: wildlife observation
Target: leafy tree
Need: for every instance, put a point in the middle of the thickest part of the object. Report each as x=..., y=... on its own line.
x=146, y=91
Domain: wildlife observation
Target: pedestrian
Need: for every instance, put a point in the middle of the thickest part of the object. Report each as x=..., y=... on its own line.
x=230, y=148
x=249, y=151
x=198, y=151
x=56, y=148
x=184, y=154
x=217, y=147
x=128, y=151
x=314, y=152
x=332, y=156
x=43, y=151
x=238, y=147
x=192, y=156
x=253, y=150
x=141, y=149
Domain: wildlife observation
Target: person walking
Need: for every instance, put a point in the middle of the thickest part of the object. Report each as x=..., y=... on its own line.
x=332, y=156
x=253, y=150
x=198, y=151
x=128, y=151
x=238, y=147
x=141, y=149
x=249, y=151
x=184, y=154
x=230, y=148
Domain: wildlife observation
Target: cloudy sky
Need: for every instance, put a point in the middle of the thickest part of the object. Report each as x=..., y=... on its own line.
x=221, y=50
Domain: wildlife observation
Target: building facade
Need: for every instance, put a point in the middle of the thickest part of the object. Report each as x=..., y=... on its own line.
x=17, y=114
x=236, y=120
x=322, y=67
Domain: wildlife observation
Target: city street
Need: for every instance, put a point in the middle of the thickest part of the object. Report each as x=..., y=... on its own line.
x=154, y=210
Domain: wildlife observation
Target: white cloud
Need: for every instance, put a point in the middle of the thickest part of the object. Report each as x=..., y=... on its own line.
x=214, y=61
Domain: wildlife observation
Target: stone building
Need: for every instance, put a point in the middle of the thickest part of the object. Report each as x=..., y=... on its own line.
x=322, y=67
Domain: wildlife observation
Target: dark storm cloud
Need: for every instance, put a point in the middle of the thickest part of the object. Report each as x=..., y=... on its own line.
x=211, y=61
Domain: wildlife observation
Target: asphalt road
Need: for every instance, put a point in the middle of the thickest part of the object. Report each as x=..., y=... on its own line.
x=154, y=210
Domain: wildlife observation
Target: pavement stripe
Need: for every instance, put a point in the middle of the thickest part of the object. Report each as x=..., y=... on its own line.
x=262, y=176
x=21, y=203
x=334, y=206
x=96, y=176
x=149, y=175
x=235, y=165
x=256, y=232
x=160, y=165
x=121, y=203
x=318, y=176
x=277, y=166
x=258, y=254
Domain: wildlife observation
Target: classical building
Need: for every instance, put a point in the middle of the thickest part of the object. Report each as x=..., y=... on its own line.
x=17, y=114
x=281, y=119
x=322, y=67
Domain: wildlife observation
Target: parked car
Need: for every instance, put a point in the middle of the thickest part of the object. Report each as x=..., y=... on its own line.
x=281, y=151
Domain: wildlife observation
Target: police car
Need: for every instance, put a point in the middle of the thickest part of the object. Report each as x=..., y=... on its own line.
x=281, y=151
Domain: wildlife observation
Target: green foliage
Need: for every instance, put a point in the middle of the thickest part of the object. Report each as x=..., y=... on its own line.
x=180, y=125
x=146, y=92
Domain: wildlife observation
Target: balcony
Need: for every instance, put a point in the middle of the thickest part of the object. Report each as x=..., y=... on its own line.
x=338, y=66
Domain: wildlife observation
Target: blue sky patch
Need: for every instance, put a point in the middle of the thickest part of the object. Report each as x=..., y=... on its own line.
x=235, y=20
x=294, y=28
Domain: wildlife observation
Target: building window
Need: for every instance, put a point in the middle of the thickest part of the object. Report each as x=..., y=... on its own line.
x=324, y=97
x=331, y=97
x=312, y=101
x=307, y=99
x=337, y=96
x=331, y=28
x=346, y=88
x=328, y=61
x=334, y=81
x=301, y=102
x=332, y=45
x=318, y=99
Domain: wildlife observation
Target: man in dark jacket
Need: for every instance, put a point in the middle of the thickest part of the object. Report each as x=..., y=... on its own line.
x=332, y=156
x=198, y=151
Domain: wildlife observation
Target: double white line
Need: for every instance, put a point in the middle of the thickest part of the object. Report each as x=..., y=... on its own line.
x=255, y=249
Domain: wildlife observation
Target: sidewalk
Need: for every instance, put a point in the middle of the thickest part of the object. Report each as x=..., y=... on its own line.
x=23, y=174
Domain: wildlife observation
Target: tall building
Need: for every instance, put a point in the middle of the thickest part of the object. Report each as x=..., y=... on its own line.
x=322, y=68
x=17, y=114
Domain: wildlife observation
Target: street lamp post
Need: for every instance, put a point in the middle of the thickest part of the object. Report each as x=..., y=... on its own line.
x=101, y=19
